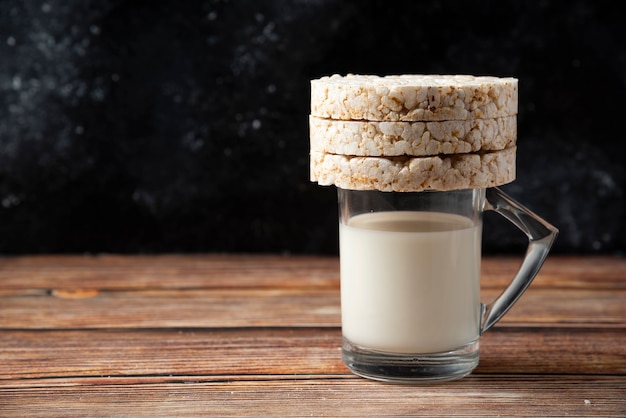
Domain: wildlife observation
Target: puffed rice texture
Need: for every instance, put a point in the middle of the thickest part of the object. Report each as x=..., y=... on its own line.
x=411, y=138
x=413, y=97
x=413, y=174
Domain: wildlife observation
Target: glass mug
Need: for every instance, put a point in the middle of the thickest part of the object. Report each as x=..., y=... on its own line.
x=410, y=279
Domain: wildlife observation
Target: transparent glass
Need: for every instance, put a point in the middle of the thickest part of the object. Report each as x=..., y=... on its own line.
x=410, y=279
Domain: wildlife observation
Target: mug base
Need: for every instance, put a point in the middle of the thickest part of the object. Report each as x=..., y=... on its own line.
x=410, y=368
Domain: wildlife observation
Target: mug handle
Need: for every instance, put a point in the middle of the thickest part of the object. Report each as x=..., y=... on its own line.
x=541, y=236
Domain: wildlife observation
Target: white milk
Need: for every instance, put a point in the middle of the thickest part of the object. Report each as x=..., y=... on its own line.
x=410, y=281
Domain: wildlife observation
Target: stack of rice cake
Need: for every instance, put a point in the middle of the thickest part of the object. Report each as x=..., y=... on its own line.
x=408, y=133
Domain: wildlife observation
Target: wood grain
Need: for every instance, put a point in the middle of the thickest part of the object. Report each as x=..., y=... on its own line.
x=486, y=395
x=305, y=351
x=259, y=335
x=182, y=291
x=240, y=271
x=293, y=307
x=167, y=272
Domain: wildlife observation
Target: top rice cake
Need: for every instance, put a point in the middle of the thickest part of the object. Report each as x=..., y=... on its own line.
x=413, y=98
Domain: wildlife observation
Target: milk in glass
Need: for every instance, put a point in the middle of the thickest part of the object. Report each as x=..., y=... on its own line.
x=410, y=281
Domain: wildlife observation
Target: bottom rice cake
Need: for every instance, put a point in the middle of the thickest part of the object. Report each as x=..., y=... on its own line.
x=413, y=174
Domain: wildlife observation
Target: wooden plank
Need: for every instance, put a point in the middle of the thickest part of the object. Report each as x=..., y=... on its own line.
x=219, y=271
x=553, y=350
x=167, y=271
x=539, y=306
x=473, y=396
x=295, y=307
x=560, y=271
x=174, y=308
x=307, y=351
x=173, y=352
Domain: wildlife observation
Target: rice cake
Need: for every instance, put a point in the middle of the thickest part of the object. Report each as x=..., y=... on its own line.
x=372, y=138
x=413, y=174
x=413, y=97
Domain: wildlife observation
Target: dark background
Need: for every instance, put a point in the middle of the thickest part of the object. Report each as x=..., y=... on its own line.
x=181, y=126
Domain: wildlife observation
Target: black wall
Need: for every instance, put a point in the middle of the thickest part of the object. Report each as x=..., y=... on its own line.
x=173, y=126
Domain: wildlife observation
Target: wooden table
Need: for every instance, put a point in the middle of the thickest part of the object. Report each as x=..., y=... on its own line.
x=225, y=335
